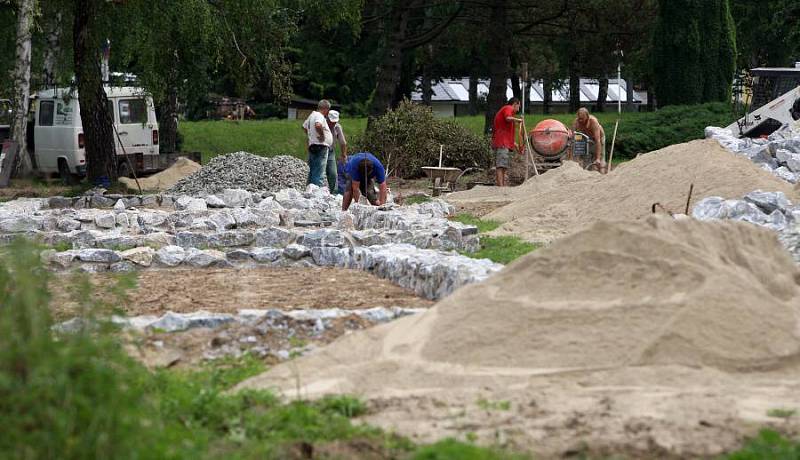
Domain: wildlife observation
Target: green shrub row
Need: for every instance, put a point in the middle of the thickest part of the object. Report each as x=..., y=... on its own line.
x=670, y=125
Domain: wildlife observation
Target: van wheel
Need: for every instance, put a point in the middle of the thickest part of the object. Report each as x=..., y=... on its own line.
x=124, y=169
x=67, y=178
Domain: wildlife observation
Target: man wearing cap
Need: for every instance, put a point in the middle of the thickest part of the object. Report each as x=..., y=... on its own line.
x=363, y=170
x=338, y=138
x=319, y=139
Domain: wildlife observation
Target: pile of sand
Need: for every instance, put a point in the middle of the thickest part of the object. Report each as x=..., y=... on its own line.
x=656, y=292
x=165, y=179
x=565, y=200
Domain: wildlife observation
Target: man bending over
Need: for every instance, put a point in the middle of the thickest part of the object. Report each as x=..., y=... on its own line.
x=363, y=170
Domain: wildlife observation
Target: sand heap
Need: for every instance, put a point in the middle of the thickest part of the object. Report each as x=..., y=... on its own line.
x=722, y=295
x=565, y=200
x=165, y=179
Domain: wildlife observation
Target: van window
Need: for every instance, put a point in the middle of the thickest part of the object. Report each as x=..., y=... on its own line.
x=132, y=111
x=111, y=109
x=46, y=113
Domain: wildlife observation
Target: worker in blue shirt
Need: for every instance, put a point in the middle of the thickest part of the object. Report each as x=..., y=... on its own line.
x=363, y=171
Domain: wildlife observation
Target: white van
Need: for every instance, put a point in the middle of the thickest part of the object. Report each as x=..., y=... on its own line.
x=58, y=132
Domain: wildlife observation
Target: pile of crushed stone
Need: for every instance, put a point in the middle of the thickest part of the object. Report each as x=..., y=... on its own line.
x=567, y=199
x=165, y=179
x=778, y=154
x=653, y=293
x=243, y=170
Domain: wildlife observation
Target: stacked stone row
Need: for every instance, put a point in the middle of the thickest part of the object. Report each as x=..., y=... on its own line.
x=235, y=228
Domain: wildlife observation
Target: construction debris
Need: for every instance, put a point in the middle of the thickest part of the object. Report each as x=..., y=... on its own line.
x=243, y=170
x=779, y=153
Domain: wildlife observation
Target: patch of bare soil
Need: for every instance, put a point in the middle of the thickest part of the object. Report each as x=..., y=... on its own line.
x=228, y=290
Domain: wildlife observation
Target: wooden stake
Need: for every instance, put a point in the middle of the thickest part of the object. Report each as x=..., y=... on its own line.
x=613, y=141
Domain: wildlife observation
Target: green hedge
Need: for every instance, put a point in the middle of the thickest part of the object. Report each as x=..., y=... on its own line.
x=670, y=125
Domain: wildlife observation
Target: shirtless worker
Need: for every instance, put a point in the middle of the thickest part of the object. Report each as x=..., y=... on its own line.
x=504, y=138
x=589, y=125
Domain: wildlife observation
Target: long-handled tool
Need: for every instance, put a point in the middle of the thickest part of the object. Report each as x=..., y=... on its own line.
x=613, y=141
x=528, y=151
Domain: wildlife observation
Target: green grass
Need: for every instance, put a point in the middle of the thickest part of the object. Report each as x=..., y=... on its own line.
x=416, y=199
x=768, y=445
x=450, y=449
x=500, y=249
x=782, y=413
x=638, y=131
x=487, y=405
x=263, y=137
x=274, y=137
x=483, y=225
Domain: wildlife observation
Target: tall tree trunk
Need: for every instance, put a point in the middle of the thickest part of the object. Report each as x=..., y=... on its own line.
x=101, y=158
x=602, y=95
x=631, y=95
x=389, y=72
x=574, y=87
x=22, y=83
x=651, y=98
x=427, y=61
x=473, y=95
x=168, y=122
x=516, y=88
x=53, y=49
x=547, y=95
x=499, y=64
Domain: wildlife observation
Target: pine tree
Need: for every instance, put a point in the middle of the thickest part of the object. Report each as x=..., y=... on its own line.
x=694, y=51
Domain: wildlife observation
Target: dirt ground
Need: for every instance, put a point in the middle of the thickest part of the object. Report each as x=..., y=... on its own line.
x=229, y=290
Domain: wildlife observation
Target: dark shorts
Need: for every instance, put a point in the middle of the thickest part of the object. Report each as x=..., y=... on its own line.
x=367, y=189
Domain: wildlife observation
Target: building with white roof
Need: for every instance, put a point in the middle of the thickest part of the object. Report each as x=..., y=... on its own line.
x=451, y=97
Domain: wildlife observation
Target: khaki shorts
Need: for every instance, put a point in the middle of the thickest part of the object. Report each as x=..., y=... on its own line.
x=502, y=157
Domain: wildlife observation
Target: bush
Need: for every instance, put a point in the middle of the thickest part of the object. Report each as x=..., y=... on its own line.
x=67, y=396
x=670, y=125
x=408, y=138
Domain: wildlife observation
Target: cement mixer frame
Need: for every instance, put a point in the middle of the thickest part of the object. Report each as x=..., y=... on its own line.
x=579, y=148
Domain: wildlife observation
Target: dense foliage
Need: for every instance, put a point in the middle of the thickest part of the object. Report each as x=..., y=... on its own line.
x=694, y=52
x=670, y=125
x=408, y=138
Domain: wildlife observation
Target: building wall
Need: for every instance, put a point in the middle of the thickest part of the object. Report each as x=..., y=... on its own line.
x=443, y=109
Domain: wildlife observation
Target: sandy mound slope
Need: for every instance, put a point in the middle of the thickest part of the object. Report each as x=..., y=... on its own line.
x=655, y=292
x=165, y=179
x=654, y=338
x=568, y=199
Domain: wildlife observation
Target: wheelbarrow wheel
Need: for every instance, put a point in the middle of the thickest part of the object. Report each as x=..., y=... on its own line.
x=437, y=186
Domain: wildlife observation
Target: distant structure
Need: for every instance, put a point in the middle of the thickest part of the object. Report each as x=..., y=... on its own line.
x=450, y=97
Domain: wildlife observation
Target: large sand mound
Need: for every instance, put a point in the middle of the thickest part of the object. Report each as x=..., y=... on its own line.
x=165, y=179
x=565, y=200
x=656, y=292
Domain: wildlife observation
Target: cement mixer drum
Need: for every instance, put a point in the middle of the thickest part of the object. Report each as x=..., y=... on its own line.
x=550, y=138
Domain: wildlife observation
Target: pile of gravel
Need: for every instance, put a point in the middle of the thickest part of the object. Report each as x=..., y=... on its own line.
x=246, y=171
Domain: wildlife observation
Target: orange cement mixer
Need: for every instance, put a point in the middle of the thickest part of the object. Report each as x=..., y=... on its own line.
x=550, y=138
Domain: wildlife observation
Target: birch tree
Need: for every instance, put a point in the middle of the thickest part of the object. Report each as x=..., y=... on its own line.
x=22, y=82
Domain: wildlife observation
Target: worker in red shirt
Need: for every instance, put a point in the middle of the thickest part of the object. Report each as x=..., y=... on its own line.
x=504, y=139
